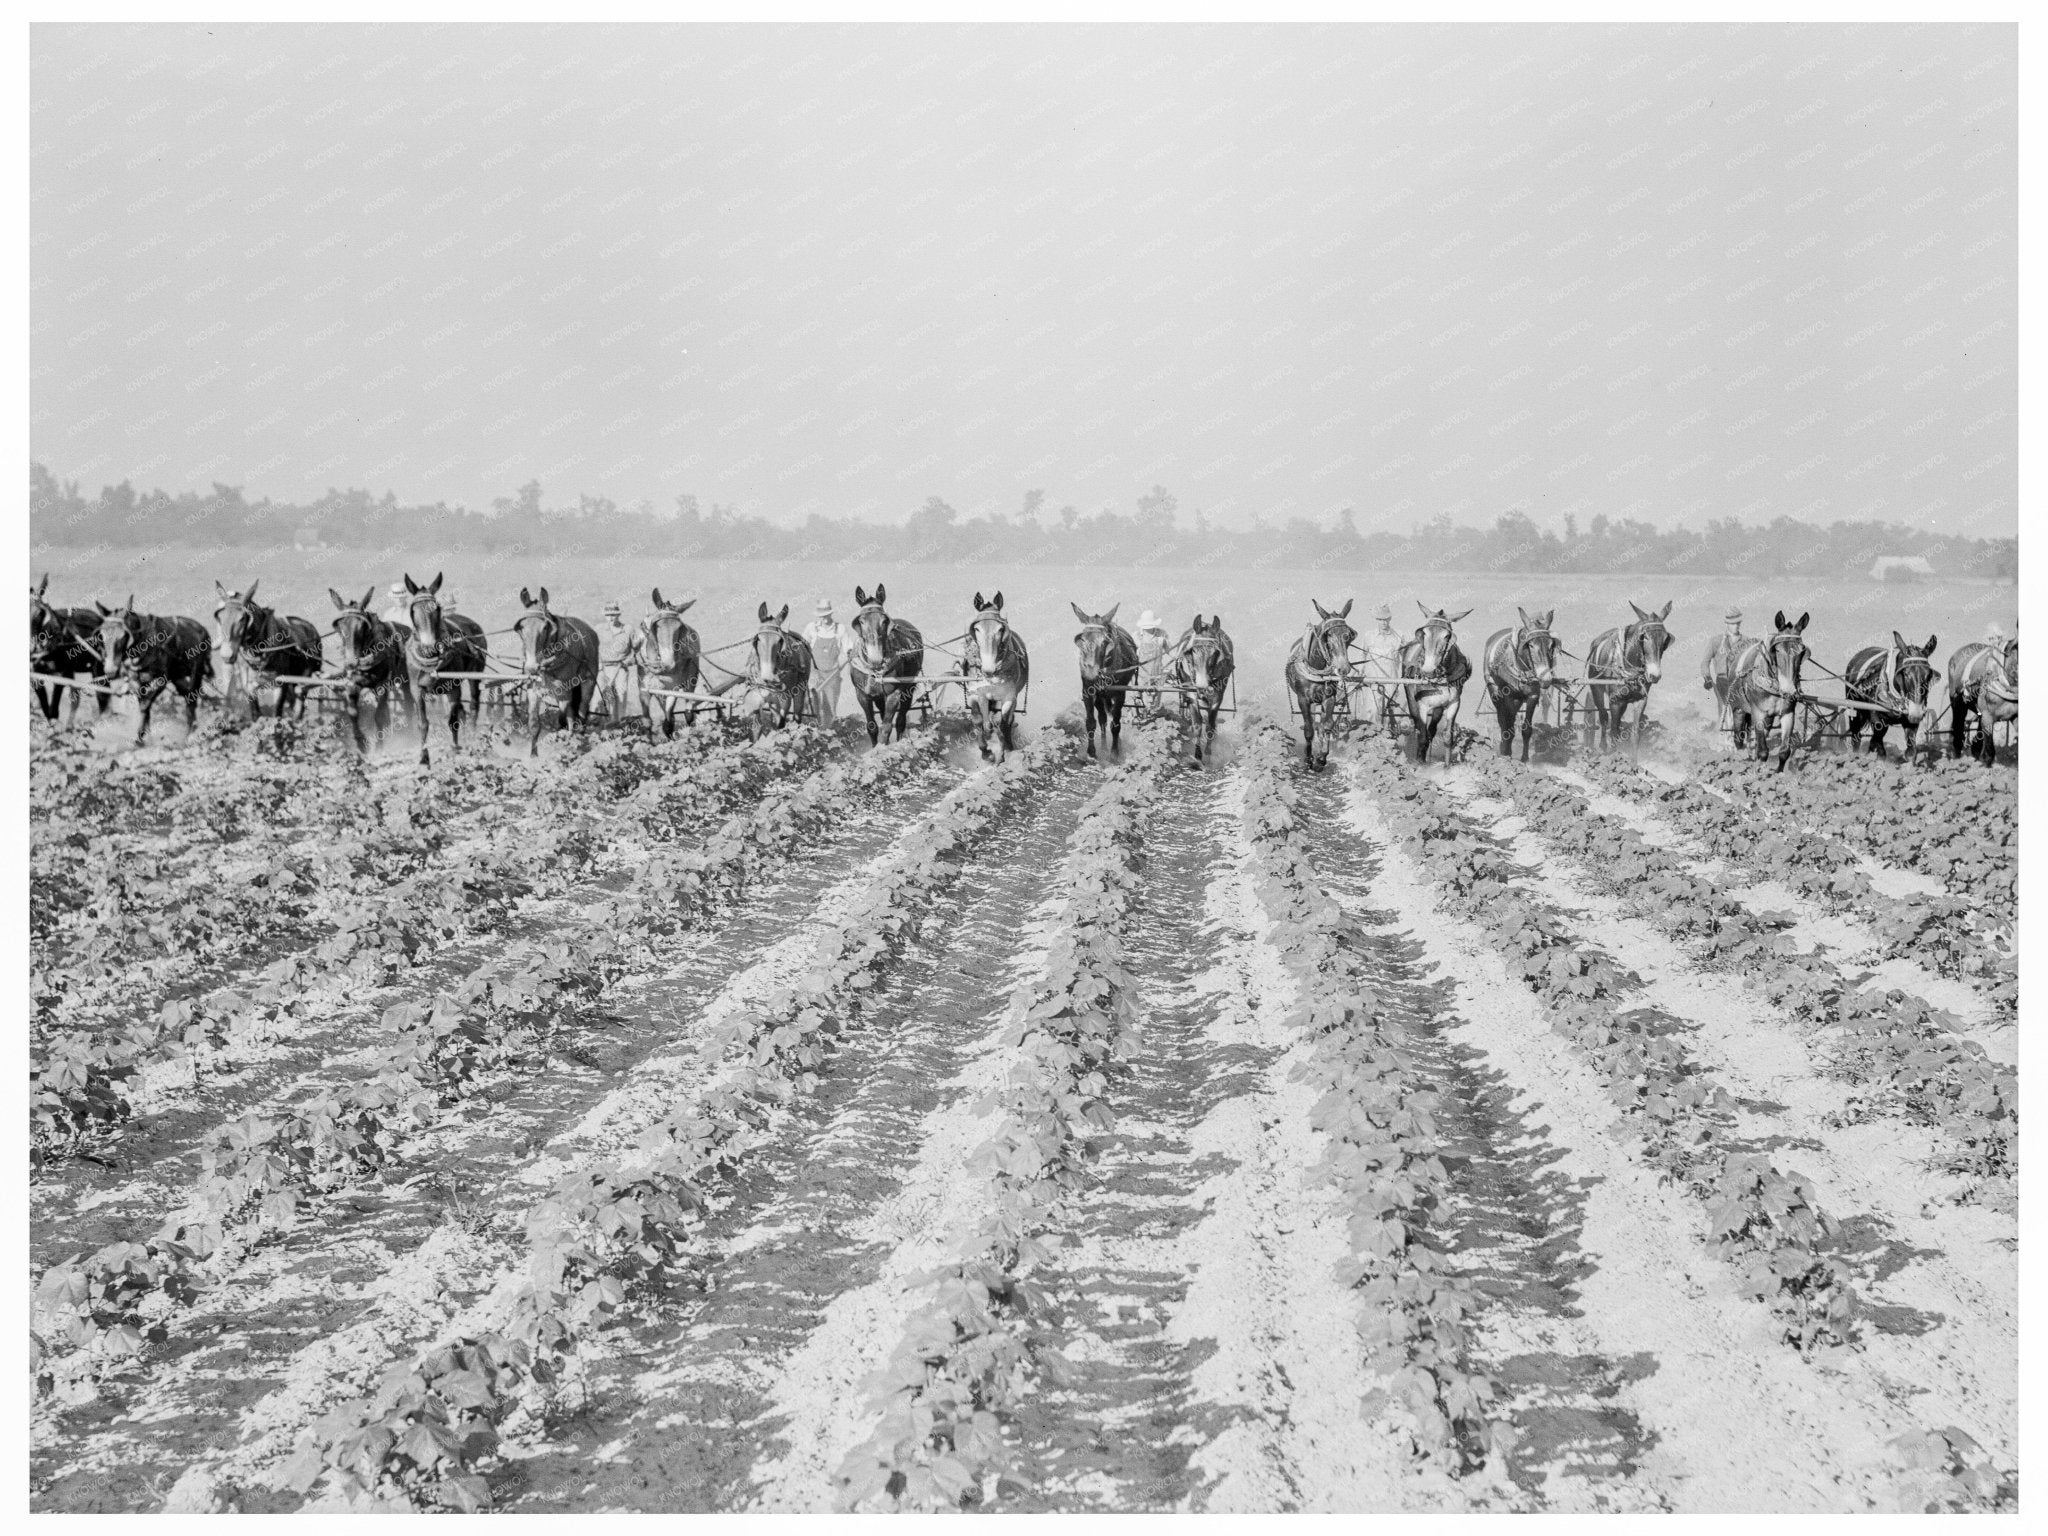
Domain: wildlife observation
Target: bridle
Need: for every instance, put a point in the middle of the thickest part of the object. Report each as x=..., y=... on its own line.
x=1320, y=648
x=1634, y=651
x=1895, y=662
x=988, y=652
x=1528, y=670
x=1435, y=672
x=366, y=635
x=665, y=630
x=1093, y=669
x=1209, y=648
x=1774, y=685
x=245, y=623
x=874, y=648
x=426, y=641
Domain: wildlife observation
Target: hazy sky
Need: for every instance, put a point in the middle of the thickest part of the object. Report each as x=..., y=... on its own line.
x=1670, y=273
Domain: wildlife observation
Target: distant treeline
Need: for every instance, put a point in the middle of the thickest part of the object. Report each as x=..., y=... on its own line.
x=1150, y=535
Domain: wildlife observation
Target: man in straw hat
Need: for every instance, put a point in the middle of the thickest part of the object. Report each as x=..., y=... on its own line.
x=1382, y=658
x=1717, y=667
x=398, y=612
x=827, y=639
x=618, y=660
x=1152, y=648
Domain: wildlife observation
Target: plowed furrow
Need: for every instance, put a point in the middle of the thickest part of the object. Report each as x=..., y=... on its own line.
x=687, y=1406
x=243, y=1340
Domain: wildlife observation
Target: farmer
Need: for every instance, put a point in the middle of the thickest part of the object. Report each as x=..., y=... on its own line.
x=1382, y=648
x=828, y=645
x=1722, y=648
x=1152, y=649
x=618, y=658
x=399, y=610
x=1994, y=634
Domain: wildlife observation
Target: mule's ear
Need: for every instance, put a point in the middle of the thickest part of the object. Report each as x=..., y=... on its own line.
x=860, y=596
x=105, y=610
x=1078, y=613
x=130, y=607
x=1778, y=620
x=369, y=597
x=1521, y=617
x=223, y=591
x=686, y=607
x=525, y=598
x=657, y=598
x=1639, y=612
x=1425, y=608
x=764, y=613
x=250, y=595
x=543, y=597
x=978, y=603
x=44, y=585
x=1899, y=641
x=1801, y=625
x=435, y=585
x=411, y=586
x=782, y=615
x=1664, y=612
x=1110, y=617
x=1930, y=647
x=881, y=594
x=1345, y=611
x=1548, y=616
x=1459, y=618
x=996, y=602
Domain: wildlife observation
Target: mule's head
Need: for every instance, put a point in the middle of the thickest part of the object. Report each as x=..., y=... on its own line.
x=871, y=624
x=1205, y=652
x=120, y=636
x=768, y=640
x=357, y=628
x=423, y=608
x=1334, y=636
x=1647, y=640
x=986, y=632
x=1536, y=646
x=40, y=614
x=1435, y=639
x=237, y=612
x=537, y=628
x=1093, y=640
x=1787, y=648
x=1912, y=675
x=666, y=628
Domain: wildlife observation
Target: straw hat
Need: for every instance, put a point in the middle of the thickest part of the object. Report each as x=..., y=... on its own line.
x=1383, y=613
x=398, y=589
x=824, y=607
x=611, y=610
x=1149, y=620
x=1733, y=615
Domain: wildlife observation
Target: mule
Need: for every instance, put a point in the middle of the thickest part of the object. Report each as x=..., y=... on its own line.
x=442, y=641
x=1983, y=679
x=1200, y=664
x=1000, y=665
x=779, y=669
x=268, y=647
x=372, y=662
x=1764, y=688
x=674, y=658
x=1319, y=673
x=559, y=655
x=62, y=642
x=1438, y=670
x=1520, y=663
x=1109, y=665
x=1896, y=679
x=883, y=663
x=153, y=652
x=1622, y=666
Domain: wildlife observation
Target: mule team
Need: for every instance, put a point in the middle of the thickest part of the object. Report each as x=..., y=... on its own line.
x=1421, y=678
